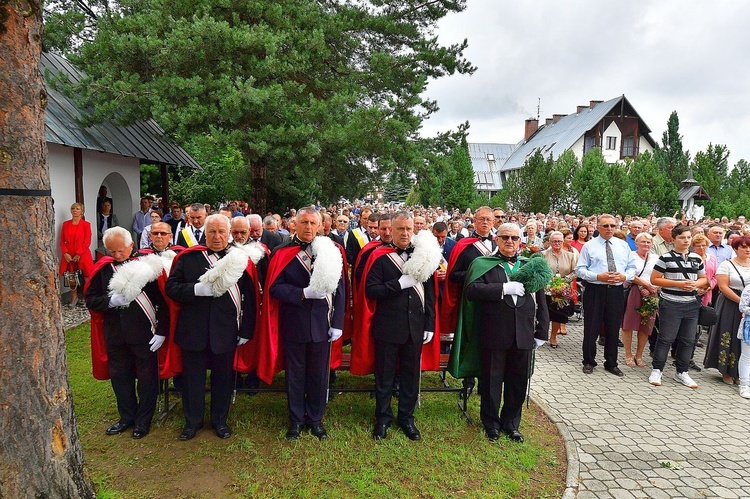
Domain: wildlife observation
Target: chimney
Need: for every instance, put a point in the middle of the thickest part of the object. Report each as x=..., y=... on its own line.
x=556, y=117
x=594, y=103
x=581, y=108
x=547, y=121
x=532, y=125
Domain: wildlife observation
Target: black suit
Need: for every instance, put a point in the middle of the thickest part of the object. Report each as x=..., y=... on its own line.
x=127, y=332
x=336, y=238
x=303, y=331
x=271, y=239
x=458, y=272
x=352, y=245
x=398, y=328
x=506, y=339
x=207, y=332
x=180, y=240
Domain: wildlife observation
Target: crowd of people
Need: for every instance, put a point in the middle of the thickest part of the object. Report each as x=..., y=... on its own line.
x=193, y=290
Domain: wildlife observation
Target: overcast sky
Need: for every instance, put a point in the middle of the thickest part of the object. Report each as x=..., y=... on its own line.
x=692, y=56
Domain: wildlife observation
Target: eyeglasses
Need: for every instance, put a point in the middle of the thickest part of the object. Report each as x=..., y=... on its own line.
x=483, y=220
x=505, y=237
x=499, y=216
x=556, y=242
x=160, y=233
x=608, y=226
x=341, y=221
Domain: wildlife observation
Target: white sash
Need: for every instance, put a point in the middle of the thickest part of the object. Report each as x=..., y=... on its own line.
x=146, y=305
x=479, y=245
x=399, y=261
x=234, y=289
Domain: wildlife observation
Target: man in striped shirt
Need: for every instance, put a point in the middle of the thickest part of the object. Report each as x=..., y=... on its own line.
x=679, y=273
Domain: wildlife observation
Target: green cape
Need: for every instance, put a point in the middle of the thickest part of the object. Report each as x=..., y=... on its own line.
x=466, y=357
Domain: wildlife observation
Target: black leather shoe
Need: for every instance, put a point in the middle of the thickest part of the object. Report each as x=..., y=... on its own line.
x=588, y=369
x=318, y=430
x=601, y=341
x=514, y=435
x=188, y=433
x=139, y=432
x=410, y=430
x=614, y=370
x=118, y=428
x=293, y=432
x=223, y=431
x=492, y=434
x=379, y=432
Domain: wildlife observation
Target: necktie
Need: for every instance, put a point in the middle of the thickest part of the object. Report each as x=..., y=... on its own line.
x=408, y=251
x=511, y=259
x=611, y=267
x=197, y=234
x=303, y=245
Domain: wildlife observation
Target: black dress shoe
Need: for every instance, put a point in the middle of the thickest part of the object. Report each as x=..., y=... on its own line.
x=614, y=370
x=492, y=434
x=601, y=341
x=294, y=431
x=223, y=431
x=380, y=431
x=118, y=428
x=318, y=430
x=188, y=433
x=139, y=432
x=410, y=431
x=588, y=369
x=514, y=435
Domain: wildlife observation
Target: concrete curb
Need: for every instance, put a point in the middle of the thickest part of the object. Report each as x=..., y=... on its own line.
x=571, y=451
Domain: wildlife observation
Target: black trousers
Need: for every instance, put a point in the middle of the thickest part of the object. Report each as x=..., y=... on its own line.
x=603, y=307
x=306, y=369
x=504, y=377
x=389, y=356
x=194, y=367
x=135, y=403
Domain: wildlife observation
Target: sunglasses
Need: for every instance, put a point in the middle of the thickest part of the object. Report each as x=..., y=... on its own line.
x=505, y=237
x=160, y=233
x=608, y=226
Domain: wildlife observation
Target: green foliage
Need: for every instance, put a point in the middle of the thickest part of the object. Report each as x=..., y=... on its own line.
x=458, y=185
x=563, y=197
x=151, y=180
x=670, y=156
x=711, y=171
x=321, y=99
x=648, y=188
x=734, y=198
x=528, y=189
x=592, y=183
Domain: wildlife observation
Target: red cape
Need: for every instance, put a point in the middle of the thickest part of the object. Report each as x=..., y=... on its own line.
x=452, y=290
x=270, y=360
x=363, y=346
x=99, y=362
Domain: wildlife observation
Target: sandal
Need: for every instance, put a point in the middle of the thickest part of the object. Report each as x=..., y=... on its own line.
x=553, y=345
x=640, y=363
x=629, y=361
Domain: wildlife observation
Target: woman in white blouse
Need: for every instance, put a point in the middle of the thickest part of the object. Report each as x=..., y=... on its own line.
x=641, y=287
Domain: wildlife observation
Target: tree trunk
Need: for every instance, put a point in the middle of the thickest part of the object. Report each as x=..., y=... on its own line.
x=40, y=455
x=258, y=187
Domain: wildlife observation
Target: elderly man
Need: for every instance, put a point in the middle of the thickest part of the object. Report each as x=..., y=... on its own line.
x=403, y=320
x=605, y=264
x=260, y=235
x=419, y=223
x=305, y=319
x=161, y=239
x=342, y=224
x=510, y=324
x=635, y=228
x=194, y=234
x=240, y=230
x=217, y=315
x=135, y=325
x=718, y=249
x=662, y=242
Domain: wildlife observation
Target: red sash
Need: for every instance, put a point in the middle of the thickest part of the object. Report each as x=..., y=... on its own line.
x=452, y=290
x=99, y=361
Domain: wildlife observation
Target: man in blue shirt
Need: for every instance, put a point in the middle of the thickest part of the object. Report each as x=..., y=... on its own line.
x=605, y=264
x=721, y=251
x=635, y=228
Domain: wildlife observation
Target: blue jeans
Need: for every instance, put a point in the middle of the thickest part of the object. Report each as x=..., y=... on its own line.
x=676, y=320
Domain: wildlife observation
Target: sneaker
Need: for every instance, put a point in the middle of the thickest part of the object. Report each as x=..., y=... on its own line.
x=685, y=379
x=745, y=391
x=655, y=378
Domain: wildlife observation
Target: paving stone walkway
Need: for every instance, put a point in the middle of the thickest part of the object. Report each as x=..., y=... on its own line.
x=627, y=438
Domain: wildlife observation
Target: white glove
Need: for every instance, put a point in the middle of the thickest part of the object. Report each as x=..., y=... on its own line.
x=203, y=289
x=513, y=288
x=427, y=337
x=311, y=294
x=241, y=341
x=156, y=342
x=539, y=342
x=334, y=334
x=118, y=300
x=407, y=281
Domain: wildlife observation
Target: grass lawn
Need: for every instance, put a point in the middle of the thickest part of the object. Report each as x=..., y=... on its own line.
x=452, y=459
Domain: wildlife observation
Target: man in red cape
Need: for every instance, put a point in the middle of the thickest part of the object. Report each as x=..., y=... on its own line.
x=305, y=320
x=398, y=317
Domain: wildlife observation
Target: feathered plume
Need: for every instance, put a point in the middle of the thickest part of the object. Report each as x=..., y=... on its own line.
x=426, y=257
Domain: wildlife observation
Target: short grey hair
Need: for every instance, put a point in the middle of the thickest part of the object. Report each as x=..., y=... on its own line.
x=197, y=207
x=309, y=210
x=114, y=232
x=269, y=220
x=509, y=227
x=661, y=222
x=555, y=233
x=254, y=217
x=402, y=214
x=644, y=235
x=221, y=218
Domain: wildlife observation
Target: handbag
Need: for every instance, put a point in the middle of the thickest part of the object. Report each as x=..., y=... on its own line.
x=707, y=315
x=73, y=279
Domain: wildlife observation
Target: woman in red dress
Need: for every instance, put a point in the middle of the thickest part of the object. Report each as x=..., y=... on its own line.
x=75, y=239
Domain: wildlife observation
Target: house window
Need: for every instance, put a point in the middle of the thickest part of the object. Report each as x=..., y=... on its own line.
x=611, y=143
x=490, y=157
x=628, y=147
